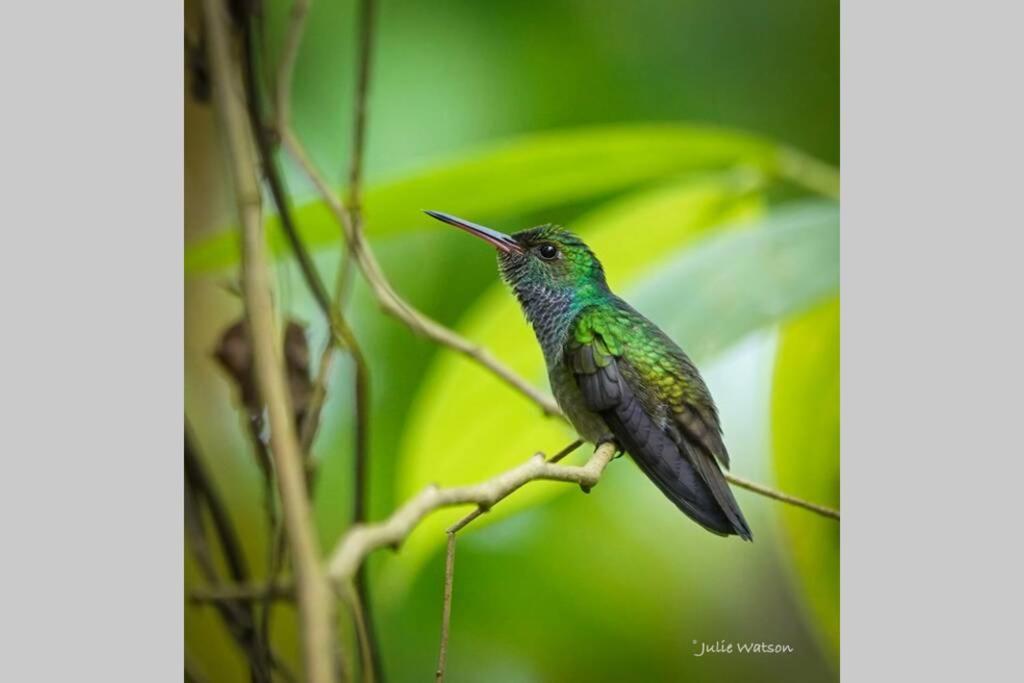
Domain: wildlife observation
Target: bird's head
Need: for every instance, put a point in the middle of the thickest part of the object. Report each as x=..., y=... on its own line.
x=547, y=259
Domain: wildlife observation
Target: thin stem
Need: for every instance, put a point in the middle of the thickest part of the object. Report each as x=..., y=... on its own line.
x=449, y=567
x=286, y=67
x=364, y=62
x=446, y=610
x=566, y=451
x=244, y=592
x=199, y=480
x=783, y=497
x=359, y=612
x=374, y=665
x=240, y=620
x=314, y=595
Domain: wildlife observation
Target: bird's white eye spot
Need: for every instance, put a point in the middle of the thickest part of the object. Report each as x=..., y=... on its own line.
x=548, y=252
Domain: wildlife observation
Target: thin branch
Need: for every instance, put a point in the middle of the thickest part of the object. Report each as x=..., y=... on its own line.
x=359, y=612
x=780, y=496
x=284, y=590
x=317, y=398
x=244, y=592
x=568, y=450
x=449, y=568
x=199, y=481
x=240, y=620
x=361, y=540
x=353, y=548
x=286, y=67
x=364, y=62
x=373, y=664
x=393, y=304
x=446, y=610
x=314, y=594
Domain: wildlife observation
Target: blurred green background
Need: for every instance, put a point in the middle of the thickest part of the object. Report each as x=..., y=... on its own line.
x=695, y=145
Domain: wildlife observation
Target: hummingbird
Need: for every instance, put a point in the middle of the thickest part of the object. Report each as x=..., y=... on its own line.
x=615, y=374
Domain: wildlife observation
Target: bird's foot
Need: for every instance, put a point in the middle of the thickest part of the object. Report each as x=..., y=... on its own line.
x=597, y=445
x=608, y=438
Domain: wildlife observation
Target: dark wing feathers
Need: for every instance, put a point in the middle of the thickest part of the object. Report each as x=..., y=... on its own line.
x=701, y=425
x=600, y=387
x=679, y=460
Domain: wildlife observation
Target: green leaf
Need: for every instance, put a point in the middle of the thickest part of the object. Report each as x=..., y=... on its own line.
x=805, y=426
x=466, y=425
x=738, y=283
x=535, y=173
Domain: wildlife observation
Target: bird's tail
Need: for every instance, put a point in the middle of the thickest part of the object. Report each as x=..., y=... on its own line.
x=691, y=479
x=712, y=506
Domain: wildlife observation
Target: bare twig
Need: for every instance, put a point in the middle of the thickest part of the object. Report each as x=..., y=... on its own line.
x=317, y=398
x=244, y=592
x=240, y=620
x=199, y=481
x=364, y=62
x=361, y=540
x=373, y=664
x=780, y=496
x=359, y=612
x=449, y=568
x=364, y=539
x=446, y=610
x=314, y=594
x=568, y=450
x=286, y=67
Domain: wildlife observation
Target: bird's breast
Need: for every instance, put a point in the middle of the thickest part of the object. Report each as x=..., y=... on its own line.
x=588, y=424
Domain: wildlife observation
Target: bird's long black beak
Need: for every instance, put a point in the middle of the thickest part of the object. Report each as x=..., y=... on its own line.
x=500, y=240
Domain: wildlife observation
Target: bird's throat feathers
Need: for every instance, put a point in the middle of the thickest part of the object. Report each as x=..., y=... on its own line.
x=553, y=289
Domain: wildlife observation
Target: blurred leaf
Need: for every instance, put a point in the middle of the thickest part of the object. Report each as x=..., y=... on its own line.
x=738, y=283
x=533, y=173
x=805, y=426
x=466, y=425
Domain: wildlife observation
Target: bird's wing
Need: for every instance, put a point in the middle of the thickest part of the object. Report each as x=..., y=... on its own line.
x=659, y=410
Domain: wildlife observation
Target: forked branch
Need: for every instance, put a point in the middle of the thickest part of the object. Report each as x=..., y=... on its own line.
x=361, y=540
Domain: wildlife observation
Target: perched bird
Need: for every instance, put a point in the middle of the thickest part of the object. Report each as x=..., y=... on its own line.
x=616, y=376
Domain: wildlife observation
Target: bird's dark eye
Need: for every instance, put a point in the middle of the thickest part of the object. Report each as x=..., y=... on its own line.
x=548, y=251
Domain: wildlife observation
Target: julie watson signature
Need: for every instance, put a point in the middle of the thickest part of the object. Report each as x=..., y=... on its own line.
x=724, y=647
